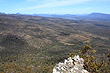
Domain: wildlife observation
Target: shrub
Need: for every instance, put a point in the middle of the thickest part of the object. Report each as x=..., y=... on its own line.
x=90, y=63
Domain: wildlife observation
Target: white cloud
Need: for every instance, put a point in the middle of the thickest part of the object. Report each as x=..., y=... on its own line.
x=31, y=0
x=104, y=0
x=101, y=1
x=54, y=3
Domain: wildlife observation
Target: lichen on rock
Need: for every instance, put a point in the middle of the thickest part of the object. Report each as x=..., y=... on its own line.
x=71, y=65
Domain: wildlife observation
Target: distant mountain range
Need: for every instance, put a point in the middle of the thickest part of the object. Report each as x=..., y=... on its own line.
x=92, y=16
x=34, y=44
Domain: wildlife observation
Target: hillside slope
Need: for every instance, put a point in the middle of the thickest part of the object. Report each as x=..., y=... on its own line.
x=40, y=42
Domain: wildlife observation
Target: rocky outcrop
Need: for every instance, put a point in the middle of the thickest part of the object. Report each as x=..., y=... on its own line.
x=71, y=65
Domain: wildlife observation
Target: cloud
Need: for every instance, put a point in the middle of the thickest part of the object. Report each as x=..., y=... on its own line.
x=106, y=1
x=31, y=0
x=54, y=3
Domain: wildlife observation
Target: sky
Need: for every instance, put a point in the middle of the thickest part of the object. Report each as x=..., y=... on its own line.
x=55, y=6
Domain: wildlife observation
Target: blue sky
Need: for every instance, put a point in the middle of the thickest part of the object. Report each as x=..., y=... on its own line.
x=55, y=6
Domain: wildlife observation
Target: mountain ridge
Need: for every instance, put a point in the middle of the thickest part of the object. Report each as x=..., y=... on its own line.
x=92, y=16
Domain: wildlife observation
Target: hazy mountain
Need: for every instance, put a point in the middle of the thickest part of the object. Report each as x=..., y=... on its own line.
x=97, y=16
x=92, y=16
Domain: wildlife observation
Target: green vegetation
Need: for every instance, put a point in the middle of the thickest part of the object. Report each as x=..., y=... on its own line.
x=31, y=44
x=91, y=63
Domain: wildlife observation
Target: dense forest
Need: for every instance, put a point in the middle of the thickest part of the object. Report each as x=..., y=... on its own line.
x=35, y=44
